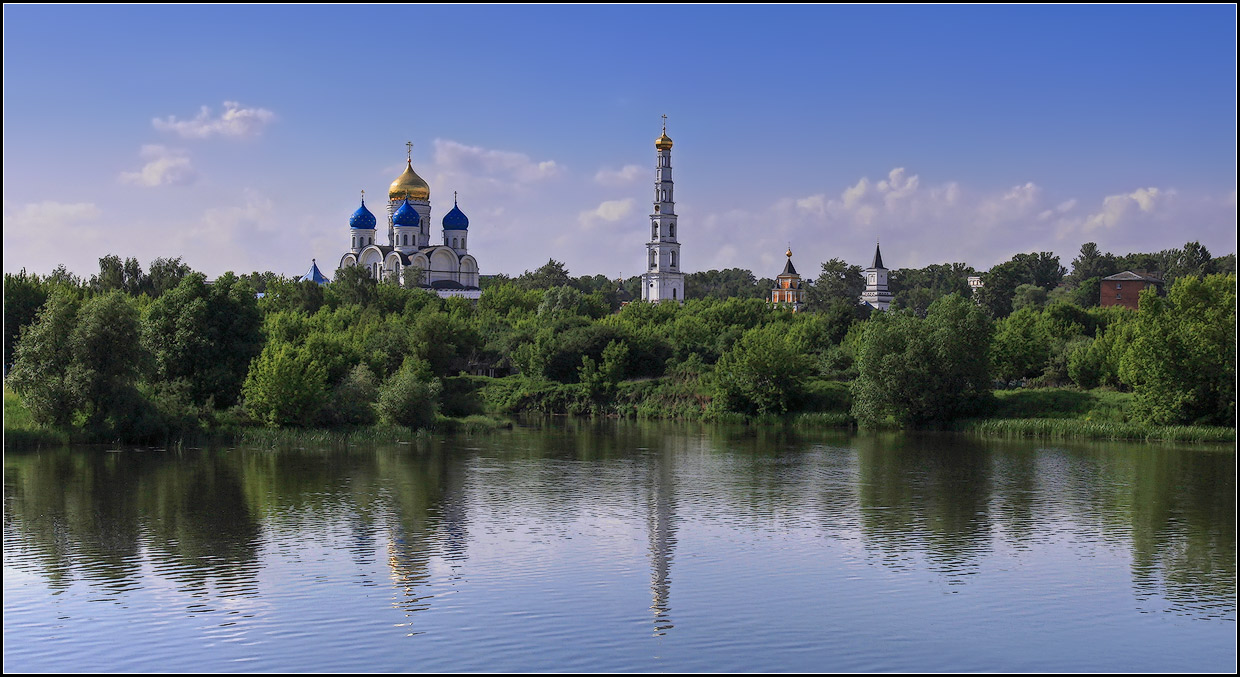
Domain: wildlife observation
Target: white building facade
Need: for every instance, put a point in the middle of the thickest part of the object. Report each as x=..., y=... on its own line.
x=876, y=293
x=663, y=279
x=448, y=269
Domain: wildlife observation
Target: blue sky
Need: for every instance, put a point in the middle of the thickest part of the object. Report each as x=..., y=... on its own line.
x=239, y=137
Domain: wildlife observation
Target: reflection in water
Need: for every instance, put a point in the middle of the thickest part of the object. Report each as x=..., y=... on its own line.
x=917, y=497
x=538, y=526
x=661, y=531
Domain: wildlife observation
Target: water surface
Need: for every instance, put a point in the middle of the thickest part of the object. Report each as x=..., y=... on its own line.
x=623, y=547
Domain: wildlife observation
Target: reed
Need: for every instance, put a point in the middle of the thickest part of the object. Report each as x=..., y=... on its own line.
x=1062, y=428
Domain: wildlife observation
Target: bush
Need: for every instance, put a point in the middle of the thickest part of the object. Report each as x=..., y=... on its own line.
x=352, y=400
x=409, y=398
x=285, y=386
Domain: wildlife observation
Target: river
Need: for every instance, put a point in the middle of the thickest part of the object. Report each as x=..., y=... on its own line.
x=623, y=546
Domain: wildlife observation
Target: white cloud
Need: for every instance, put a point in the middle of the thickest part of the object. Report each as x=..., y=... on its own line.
x=1117, y=208
x=814, y=204
x=609, y=211
x=236, y=120
x=49, y=215
x=166, y=166
x=618, y=177
x=451, y=156
x=853, y=196
x=920, y=223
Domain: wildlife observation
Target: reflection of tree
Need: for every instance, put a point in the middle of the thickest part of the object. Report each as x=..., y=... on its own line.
x=199, y=523
x=75, y=512
x=926, y=493
x=1183, y=514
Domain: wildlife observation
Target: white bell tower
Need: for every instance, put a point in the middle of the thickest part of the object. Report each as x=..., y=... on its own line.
x=663, y=279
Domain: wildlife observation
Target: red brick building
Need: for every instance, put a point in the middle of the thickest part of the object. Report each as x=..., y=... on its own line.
x=1124, y=289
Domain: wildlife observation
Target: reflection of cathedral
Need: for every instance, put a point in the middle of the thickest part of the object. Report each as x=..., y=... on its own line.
x=447, y=269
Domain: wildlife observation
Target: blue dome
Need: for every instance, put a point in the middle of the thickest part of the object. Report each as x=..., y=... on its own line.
x=406, y=216
x=362, y=218
x=455, y=219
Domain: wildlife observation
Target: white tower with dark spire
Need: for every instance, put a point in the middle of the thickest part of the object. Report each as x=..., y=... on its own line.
x=663, y=279
x=876, y=293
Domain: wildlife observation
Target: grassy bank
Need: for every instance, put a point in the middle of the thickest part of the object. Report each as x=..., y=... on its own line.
x=22, y=432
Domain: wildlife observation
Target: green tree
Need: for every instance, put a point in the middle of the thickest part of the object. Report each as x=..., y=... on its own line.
x=1028, y=296
x=412, y=277
x=838, y=282
x=917, y=371
x=41, y=358
x=205, y=335
x=763, y=373
x=600, y=380
x=106, y=355
x=1041, y=269
x=285, y=386
x=24, y=294
x=1181, y=363
x=550, y=274
x=1091, y=263
x=409, y=397
x=351, y=286
x=165, y=275
x=998, y=286
x=352, y=400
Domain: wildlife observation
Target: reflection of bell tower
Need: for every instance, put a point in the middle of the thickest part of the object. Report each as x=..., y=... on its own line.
x=661, y=531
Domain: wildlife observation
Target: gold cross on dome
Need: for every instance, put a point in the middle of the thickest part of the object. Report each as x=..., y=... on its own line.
x=665, y=123
x=409, y=151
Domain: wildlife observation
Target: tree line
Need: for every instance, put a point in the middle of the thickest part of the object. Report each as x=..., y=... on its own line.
x=136, y=354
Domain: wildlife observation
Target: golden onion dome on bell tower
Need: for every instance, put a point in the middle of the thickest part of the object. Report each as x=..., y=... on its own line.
x=409, y=185
x=664, y=142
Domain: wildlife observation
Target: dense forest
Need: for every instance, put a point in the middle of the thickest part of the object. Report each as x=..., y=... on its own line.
x=143, y=355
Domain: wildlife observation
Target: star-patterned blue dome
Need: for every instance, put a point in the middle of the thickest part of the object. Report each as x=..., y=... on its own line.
x=455, y=219
x=406, y=216
x=362, y=218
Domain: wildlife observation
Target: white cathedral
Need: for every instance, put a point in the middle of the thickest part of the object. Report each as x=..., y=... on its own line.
x=663, y=280
x=448, y=269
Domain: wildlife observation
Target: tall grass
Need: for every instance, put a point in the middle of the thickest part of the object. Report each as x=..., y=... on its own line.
x=20, y=429
x=1061, y=428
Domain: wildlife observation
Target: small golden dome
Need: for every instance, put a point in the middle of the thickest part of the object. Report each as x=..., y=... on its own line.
x=663, y=142
x=789, y=252
x=410, y=185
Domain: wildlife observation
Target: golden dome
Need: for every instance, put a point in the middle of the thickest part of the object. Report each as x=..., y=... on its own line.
x=410, y=185
x=663, y=142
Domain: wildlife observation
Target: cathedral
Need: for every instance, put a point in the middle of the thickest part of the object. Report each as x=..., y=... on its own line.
x=663, y=280
x=448, y=269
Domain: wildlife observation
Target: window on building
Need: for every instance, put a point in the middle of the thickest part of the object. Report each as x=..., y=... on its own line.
x=1119, y=285
x=672, y=230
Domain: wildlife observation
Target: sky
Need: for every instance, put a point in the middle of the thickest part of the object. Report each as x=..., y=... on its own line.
x=240, y=137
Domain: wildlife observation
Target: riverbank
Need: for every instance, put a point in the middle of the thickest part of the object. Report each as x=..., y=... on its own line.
x=476, y=405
